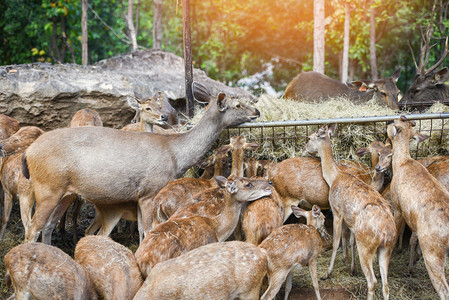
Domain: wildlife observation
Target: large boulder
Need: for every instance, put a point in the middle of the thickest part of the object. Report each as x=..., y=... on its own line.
x=47, y=95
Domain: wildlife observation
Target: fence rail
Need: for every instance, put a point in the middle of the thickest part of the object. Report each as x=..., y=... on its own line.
x=283, y=139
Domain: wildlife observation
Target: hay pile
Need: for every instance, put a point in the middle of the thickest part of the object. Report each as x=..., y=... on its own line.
x=278, y=143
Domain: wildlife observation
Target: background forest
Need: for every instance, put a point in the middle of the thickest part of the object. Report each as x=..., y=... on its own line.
x=231, y=39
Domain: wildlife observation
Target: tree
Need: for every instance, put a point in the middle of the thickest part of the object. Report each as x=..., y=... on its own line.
x=84, y=38
x=318, y=36
x=345, y=59
x=372, y=47
x=157, y=24
x=130, y=24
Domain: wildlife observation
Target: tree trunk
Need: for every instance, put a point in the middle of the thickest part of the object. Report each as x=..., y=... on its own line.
x=318, y=36
x=157, y=24
x=372, y=45
x=84, y=53
x=186, y=36
x=130, y=24
x=345, y=60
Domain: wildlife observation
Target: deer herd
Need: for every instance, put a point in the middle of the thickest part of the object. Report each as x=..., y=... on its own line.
x=185, y=224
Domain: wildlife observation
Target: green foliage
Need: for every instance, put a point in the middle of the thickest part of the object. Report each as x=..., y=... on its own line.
x=230, y=39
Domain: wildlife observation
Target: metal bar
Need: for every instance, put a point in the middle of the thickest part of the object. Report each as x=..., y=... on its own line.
x=343, y=120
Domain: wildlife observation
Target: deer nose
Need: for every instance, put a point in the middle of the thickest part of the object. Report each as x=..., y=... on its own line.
x=257, y=112
x=164, y=118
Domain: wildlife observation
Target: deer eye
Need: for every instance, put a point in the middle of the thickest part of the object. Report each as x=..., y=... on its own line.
x=383, y=94
x=148, y=109
x=238, y=105
x=249, y=185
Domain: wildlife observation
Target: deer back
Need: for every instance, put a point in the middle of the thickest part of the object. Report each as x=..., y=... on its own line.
x=20, y=140
x=46, y=272
x=206, y=271
x=314, y=86
x=86, y=117
x=111, y=266
x=173, y=238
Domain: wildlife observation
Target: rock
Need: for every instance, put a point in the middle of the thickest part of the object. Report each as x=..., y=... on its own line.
x=47, y=95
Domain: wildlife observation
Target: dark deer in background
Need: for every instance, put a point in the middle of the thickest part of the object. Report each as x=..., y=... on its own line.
x=428, y=85
x=313, y=86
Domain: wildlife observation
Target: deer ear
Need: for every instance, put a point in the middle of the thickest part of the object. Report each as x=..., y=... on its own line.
x=221, y=181
x=322, y=131
x=332, y=129
x=251, y=146
x=133, y=103
x=441, y=76
x=396, y=74
x=316, y=211
x=200, y=93
x=419, y=137
x=231, y=186
x=392, y=131
x=158, y=96
x=137, y=95
x=225, y=149
x=222, y=102
x=298, y=212
x=362, y=151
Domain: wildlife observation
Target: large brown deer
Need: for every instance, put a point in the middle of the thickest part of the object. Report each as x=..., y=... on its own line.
x=14, y=184
x=82, y=118
x=424, y=203
x=314, y=86
x=182, y=191
x=109, y=166
x=112, y=267
x=362, y=209
x=221, y=207
x=40, y=271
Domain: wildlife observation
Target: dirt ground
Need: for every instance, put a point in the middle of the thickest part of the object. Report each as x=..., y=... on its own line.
x=341, y=285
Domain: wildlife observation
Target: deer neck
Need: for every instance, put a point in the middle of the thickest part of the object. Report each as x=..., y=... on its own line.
x=229, y=217
x=145, y=127
x=218, y=167
x=401, y=151
x=237, y=163
x=190, y=146
x=377, y=180
x=366, y=96
x=328, y=165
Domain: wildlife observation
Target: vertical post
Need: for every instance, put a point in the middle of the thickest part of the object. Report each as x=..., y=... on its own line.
x=187, y=56
x=84, y=53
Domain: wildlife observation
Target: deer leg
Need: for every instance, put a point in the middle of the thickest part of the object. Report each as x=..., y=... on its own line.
x=76, y=211
x=274, y=283
x=96, y=223
x=435, y=259
x=55, y=216
x=26, y=200
x=338, y=220
x=344, y=241
x=351, y=244
x=384, y=261
x=366, y=262
x=61, y=225
x=413, y=243
x=288, y=285
x=110, y=218
x=46, y=202
x=401, y=229
x=313, y=274
x=7, y=206
x=146, y=214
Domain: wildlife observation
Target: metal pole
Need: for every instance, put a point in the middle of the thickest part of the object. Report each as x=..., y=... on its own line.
x=187, y=56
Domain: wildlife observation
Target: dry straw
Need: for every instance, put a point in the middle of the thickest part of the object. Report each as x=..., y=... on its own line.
x=284, y=142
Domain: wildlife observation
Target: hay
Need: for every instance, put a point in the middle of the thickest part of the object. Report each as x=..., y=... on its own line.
x=279, y=143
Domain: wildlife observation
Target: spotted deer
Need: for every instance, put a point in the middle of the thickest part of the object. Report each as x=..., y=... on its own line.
x=112, y=268
x=219, y=210
x=183, y=190
x=14, y=184
x=362, y=209
x=42, y=271
x=60, y=163
x=421, y=198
